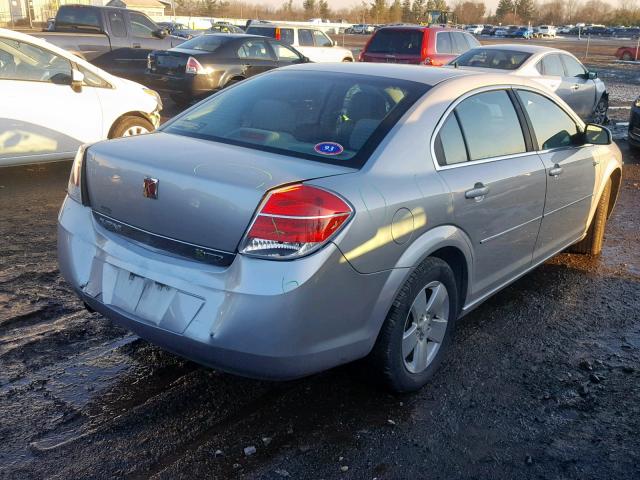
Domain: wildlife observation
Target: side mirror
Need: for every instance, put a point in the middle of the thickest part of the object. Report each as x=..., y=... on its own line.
x=160, y=33
x=306, y=60
x=592, y=75
x=597, y=135
x=77, y=79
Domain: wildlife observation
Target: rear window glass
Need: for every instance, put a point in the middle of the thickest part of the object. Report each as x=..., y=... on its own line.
x=492, y=58
x=401, y=42
x=207, y=43
x=78, y=16
x=322, y=116
x=285, y=35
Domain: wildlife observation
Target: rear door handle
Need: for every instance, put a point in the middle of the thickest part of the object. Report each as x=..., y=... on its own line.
x=478, y=192
x=555, y=171
x=136, y=45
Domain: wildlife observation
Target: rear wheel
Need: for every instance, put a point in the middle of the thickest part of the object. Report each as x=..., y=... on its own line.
x=592, y=243
x=418, y=329
x=180, y=100
x=627, y=56
x=347, y=59
x=131, y=125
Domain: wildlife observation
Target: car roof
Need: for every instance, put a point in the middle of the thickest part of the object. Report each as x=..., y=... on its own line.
x=410, y=26
x=521, y=48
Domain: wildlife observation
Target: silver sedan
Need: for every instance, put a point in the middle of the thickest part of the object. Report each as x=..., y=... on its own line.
x=558, y=70
x=319, y=214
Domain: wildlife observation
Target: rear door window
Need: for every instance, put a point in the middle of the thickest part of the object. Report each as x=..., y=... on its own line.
x=443, y=43
x=400, y=42
x=450, y=146
x=117, y=23
x=305, y=37
x=552, y=66
x=490, y=125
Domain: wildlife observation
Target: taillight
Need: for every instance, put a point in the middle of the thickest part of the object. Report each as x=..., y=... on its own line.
x=294, y=221
x=428, y=61
x=193, y=66
x=74, y=188
x=278, y=34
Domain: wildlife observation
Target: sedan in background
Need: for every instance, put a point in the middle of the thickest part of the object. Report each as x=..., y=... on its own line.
x=556, y=69
x=523, y=32
x=211, y=62
x=53, y=101
x=634, y=124
x=320, y=214
x=628, y=53
x=180, y=30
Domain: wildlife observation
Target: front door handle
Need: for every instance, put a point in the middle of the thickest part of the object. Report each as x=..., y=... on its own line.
x=575, y=86
x=136, y=45
x=555, y=171
x=478, y=192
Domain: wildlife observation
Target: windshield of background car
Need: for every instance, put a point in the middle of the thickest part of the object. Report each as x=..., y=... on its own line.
x=492, y=58
x=323, y=116
x=400, y=42
x=207, y=43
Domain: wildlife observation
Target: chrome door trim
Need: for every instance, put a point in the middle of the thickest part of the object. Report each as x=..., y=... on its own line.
x=567, y=205
x=509, y=230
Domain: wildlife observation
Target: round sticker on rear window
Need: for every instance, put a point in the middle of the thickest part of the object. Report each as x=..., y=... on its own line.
x=329, y=148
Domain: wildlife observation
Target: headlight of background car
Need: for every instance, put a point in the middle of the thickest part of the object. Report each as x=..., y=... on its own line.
x=155, y=95
x=638, y=102
x=74, y=188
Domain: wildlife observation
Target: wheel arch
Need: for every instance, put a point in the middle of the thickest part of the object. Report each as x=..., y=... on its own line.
x=135, y=113
x=616, y=181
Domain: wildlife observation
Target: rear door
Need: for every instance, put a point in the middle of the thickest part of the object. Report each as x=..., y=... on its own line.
x=571, y=173
x=256, y=56
x=497, y=185
x=583, y=90
x=443, y=51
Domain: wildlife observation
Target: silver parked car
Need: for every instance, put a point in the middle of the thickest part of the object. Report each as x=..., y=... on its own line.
x=556, y=69
x=319, y=214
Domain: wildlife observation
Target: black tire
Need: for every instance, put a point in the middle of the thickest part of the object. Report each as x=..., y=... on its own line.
x=387, y=358
x=233, y=81
x=132, y=122
x=599, y=114
x=627, y=56
x=592, y=243
x=181, y=101
x=347, y=59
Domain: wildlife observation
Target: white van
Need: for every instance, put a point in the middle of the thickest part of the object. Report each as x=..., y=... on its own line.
x=547, y=31
x=311, y=42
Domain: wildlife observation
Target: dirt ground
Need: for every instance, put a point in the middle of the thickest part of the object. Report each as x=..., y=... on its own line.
x=543, y=380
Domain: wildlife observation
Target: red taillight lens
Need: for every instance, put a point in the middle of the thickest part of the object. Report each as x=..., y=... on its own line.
x=193, y=66
x=295, y=221
x=278, y=34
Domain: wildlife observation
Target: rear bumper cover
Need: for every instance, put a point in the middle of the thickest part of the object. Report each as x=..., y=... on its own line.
x=188, y=85
x=257, y=318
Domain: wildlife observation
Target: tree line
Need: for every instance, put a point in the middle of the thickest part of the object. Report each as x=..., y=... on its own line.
x=536, y=12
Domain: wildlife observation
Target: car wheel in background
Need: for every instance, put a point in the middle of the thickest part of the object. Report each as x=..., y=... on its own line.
x=347, y=59
x=627, y=56
x=130, y=125
x=599, y=115
x=418, y=329
x=592, y=243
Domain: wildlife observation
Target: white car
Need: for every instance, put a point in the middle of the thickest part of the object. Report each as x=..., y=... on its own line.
x=475, y=29
x=53, y=101
x=501, y=32
x=313, y=43
x=547, y=31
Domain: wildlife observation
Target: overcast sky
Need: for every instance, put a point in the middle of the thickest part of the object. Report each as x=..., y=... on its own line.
x=491, y=4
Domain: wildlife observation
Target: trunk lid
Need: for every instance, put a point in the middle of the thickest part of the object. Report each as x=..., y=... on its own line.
x=207, y=192
x=171, y=62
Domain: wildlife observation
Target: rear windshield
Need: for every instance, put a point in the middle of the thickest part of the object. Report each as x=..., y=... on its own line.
x=322, y=116
x=285, y=35
x=492, y=58
x=401, y=42
x=207, y=43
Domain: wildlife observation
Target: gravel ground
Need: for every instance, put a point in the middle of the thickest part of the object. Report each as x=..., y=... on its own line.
x=543, y=380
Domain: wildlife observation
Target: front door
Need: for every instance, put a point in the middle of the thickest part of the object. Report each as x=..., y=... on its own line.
x=41, y=117
x=256, y=56
x=497, y=186
x=571, y=173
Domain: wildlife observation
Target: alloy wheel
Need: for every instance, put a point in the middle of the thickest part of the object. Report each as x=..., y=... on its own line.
x=135, y=130
x=425, y=327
